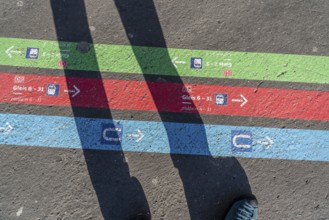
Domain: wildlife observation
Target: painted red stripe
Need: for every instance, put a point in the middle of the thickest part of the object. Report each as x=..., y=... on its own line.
x=165, y=97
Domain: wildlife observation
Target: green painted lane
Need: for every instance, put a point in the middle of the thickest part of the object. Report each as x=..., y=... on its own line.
x=161, y=61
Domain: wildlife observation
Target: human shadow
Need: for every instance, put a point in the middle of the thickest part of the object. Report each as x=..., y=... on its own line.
x=119, y=195
x=210, y=184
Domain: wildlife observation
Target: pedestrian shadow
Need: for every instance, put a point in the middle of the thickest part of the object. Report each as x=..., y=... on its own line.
x=119, y=194
x=209, y=183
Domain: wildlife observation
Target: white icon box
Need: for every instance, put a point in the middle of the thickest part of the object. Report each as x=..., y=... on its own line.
x=52, y=90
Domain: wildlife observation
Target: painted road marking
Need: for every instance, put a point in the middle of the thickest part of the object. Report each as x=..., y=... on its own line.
x=111, y=133
x=241, y=141
x=10, y=51
x=168, y=137
x=7, y=128
x=75, y=91
x=139, y=135
x=175, y=62
x=243, y=101
x=164, y=97
x=266, y=143
x=32, y=53
x=182, y=62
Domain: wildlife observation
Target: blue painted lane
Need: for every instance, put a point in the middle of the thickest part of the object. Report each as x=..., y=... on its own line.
x=146, y=136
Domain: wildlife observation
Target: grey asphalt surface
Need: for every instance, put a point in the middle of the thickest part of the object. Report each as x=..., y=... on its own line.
x=75, y=184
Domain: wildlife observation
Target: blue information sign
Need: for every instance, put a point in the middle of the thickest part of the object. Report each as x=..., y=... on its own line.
x=111, y=134
x=241, y=141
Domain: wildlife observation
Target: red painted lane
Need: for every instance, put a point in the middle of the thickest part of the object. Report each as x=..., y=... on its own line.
x=164, y=97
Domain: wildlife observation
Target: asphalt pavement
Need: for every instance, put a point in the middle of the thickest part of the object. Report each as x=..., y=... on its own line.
x=55, y=174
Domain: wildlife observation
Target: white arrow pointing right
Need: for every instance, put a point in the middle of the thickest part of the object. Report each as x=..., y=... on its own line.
x=266, y=143
x=76, y=91
x=243, y=100
x=7, y=128
x=139, y=135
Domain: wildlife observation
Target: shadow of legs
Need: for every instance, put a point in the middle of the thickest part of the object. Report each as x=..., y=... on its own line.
x=119, y=194
x=207, y=181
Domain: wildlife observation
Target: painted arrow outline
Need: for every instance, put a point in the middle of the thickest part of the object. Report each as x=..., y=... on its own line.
x=75, y=91
x=174, y=61
x=7, y=128
x=267, y=102
x=139, y=136
x=11, y=50
x=243, y=101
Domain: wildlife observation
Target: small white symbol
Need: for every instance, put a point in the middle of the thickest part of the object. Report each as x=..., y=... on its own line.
x=197, y=63
x=76, y=91
x=33, y=53
x=19, y=79
x=220, y=99
x=243, y=100
x=51, y=90
x=62, y=53
x=242, y=136
x=266, y=143
x=175, y=61
x=187, y=89
x=105, y=136
x=7, y=128
x=139, y=135
x=10, y=50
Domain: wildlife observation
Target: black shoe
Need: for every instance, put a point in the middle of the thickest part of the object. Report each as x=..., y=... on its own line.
x=245, y=208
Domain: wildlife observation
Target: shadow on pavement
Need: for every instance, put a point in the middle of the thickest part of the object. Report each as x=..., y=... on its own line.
x=118, y=193
x=210, y=184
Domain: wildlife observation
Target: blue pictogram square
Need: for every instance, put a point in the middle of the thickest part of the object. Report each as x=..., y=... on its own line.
x=221, y=99
x=241, y=141
x=52, y=90
x=196, y=63
x=32, y=53
x=111, y=134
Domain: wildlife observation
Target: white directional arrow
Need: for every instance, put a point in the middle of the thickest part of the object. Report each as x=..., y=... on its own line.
x=175, y=61
x=266, y=143
x=243, y=100
x=10, y=51
x=139, y=135
x=7, y=128
x=76, y=91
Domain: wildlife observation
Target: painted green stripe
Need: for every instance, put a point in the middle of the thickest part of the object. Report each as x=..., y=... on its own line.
x=120, y=58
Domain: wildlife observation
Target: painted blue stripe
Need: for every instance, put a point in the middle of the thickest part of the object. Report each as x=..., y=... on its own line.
x=184, y=138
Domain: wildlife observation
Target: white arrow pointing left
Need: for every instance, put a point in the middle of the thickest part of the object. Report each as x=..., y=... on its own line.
x=175, y=61
x=10, y=50
x=7, y=128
